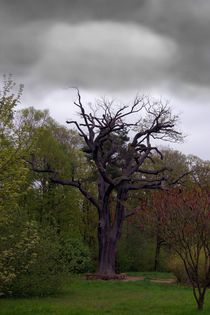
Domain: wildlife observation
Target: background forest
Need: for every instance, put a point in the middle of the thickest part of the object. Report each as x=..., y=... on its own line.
x=48, y=231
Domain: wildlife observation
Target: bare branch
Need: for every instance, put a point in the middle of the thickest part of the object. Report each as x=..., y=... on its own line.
x=78, y=185
x=178, y=180
x=154, y=172
x=64, y=182
x=153, y=185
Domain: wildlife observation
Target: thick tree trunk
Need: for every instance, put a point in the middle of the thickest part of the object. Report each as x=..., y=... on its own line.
x=108, y=236
x=109, y=229
x=107, y=254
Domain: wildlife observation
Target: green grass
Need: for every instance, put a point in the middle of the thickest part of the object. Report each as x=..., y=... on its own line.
x=83, y=297
x=152, y=275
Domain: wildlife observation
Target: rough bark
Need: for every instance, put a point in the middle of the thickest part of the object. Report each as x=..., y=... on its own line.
x=107, y=252
x=108, y=236
x=109, y=226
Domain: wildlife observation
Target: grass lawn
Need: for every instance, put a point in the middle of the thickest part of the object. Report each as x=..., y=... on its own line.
x=111, y=297
x=152, y=275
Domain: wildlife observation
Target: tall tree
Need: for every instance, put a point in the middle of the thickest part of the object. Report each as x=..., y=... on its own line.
x=12, y=168
x=200, y=170
x=117, y=150
x=55, y=147
x=14, y=143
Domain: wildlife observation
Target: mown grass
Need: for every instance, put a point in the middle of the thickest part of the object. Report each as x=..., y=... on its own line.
x=152, y=275
x=82, y=297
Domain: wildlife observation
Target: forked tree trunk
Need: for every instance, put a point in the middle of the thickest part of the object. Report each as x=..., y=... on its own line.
x=200, y=298
x=200, y=303
x=199, y=294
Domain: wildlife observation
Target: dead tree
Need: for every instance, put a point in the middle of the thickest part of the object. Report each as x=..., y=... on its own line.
x=119, y=150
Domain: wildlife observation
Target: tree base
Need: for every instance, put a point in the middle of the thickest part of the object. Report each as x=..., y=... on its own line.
x=98, y=276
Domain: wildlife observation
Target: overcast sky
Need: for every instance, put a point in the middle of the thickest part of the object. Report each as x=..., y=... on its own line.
x=112, y=48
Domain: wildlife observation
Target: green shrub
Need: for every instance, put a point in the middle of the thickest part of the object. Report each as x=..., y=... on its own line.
x=176, y=265
x=76, y=255
x=46, y=275
x=17, y=251
x=30, y=259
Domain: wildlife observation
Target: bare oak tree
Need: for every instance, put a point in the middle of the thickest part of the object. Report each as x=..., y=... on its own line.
x=119, y=150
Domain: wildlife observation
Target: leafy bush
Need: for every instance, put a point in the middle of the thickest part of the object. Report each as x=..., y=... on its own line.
x=30, y=260
x=45, y=276
x=17, y=251
x=76, y=255
x=176, y=265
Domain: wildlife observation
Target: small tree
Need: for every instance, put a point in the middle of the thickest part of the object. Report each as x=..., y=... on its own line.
x=117, y=150
x=185, y=226
x=150, y=220
x=150, y=217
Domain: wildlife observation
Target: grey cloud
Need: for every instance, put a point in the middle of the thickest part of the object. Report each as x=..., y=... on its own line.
x=25, y=26
x=105, y=55
x=188, y=23
x=72, y=10
x=116, y=47
x=25, y=23
x=21, y=47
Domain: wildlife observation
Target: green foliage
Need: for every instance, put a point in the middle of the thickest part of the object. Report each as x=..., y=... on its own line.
x=46, y=274
x=35, y=214
x=9, y=98
x=12, y=168
x=175, y=264
x=136, y=250
x=76, y=255
x=18, y=244
x=30, y=258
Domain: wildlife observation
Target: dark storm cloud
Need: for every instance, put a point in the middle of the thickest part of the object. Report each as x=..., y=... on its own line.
x=44, y=40
x=187, y=23
x=73, y=10
x=21, y=49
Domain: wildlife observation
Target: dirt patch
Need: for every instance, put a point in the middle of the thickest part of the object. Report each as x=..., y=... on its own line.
x=98, y=276
x=121, y=277
x=126, y=278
